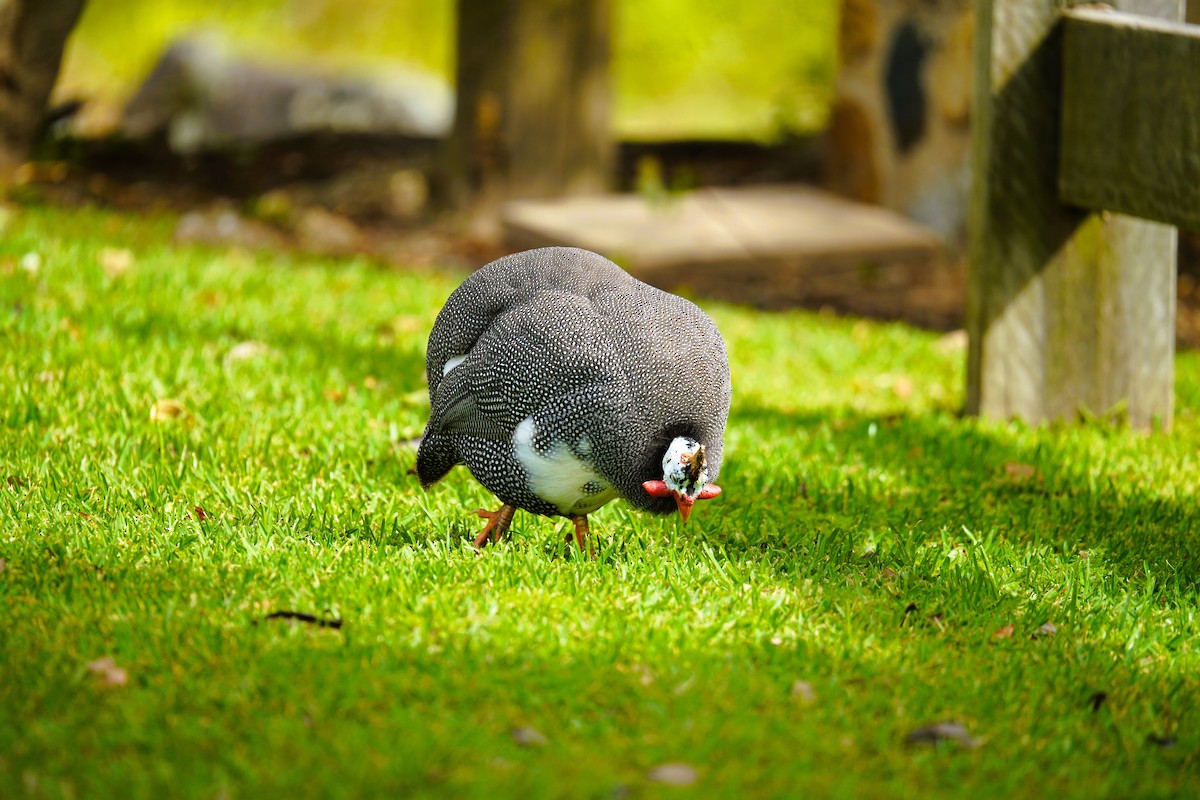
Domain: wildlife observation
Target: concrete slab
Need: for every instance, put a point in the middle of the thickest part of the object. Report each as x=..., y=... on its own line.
x=772, y=246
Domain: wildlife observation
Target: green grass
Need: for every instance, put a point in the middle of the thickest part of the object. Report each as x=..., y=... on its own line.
x=870, y=544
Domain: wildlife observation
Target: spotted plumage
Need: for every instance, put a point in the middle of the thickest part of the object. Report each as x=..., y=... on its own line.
x=562, y=383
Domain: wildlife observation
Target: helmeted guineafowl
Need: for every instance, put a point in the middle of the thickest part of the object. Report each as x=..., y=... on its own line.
x=562, y=383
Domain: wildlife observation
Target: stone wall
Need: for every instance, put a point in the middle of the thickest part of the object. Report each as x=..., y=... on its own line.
x=899, y=134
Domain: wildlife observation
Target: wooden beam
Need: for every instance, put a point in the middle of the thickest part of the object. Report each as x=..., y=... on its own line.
x=1131, y=116
x=1069, y=312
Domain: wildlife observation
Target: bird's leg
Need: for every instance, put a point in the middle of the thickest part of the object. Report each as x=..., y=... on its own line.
x=581, y=536
x=497, y=526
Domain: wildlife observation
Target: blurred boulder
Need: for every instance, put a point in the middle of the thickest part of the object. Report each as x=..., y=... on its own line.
x=373, y=191
x=321, y=231
x=224, y=227
x=203, y=97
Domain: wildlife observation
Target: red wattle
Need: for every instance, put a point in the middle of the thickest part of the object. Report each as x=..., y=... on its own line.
x=656, y=489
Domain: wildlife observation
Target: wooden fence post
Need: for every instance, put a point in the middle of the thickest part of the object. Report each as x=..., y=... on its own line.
x=533, y=98
x=1068, y=311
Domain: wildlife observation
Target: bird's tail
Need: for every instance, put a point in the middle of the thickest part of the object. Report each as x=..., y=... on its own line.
x=435, y=457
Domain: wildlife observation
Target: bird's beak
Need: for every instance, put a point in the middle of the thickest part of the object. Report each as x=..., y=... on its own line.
x=684, y=504
x=682, y=501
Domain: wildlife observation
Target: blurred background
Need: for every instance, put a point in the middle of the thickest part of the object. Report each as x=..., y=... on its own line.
x=681, y=69
x=817, y=153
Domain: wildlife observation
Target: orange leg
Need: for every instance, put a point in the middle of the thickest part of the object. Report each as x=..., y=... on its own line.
x=581, y=536
x=497, y=526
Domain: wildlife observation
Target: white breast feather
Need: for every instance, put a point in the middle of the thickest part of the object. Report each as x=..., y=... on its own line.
x=451, y=364
x=559, y=478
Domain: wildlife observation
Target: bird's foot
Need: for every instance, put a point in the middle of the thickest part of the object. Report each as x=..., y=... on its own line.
x=497, y=526
x=581, y=536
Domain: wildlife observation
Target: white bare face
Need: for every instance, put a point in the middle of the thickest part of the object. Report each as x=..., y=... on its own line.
x=684, y=470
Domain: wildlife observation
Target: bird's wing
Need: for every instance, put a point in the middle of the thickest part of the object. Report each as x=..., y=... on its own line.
x=468, y=315
x=530, y=361
x=455, y=409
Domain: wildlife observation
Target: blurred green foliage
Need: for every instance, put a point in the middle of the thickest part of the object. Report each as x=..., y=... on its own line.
x=683, y=68
x=719, y=68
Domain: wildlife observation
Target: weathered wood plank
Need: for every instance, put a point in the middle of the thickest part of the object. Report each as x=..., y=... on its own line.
x=1131, y=116
x=1067, y=311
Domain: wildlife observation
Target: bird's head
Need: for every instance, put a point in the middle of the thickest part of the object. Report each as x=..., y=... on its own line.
x=685, y=476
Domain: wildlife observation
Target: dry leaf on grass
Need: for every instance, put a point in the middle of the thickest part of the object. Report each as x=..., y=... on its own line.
x=1021, y=473
x=942, y=732
x=166, y=409
x=245, y=351
x=1004, y=633
x=803, y=691
x=300, y=616
x=107, y=671
x=115, y=261
x=675, y=773
x=31, y=263
x=527, y=736
x=903, y=387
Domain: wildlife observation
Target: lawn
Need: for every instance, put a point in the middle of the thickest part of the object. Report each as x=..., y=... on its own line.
x=192, y=440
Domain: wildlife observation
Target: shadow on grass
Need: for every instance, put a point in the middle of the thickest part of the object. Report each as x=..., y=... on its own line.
x=936, y=472
x=844, y=484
